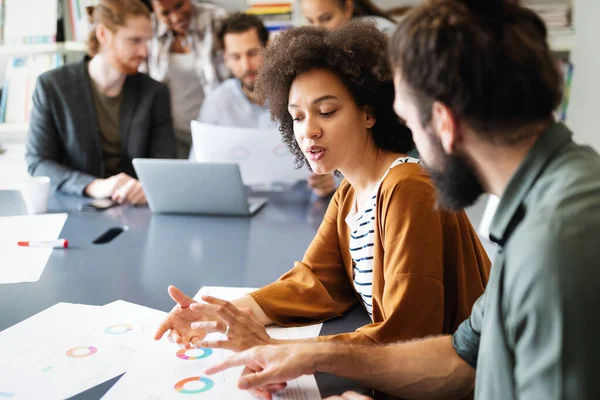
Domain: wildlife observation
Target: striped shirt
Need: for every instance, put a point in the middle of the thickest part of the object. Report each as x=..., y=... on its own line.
x=362, y=240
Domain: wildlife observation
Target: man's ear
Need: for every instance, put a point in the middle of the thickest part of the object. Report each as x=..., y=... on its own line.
x=102, y=33
x=445, y=126
x=349, y=7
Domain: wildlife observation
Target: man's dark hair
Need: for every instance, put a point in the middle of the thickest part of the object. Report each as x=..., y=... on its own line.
x=357, y=54
x=240, y=23
x=488, y=61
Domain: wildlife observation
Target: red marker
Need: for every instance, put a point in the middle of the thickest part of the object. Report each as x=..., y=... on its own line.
x=57, y=244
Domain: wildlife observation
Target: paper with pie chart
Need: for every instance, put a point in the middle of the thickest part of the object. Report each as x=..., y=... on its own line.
x=72, y=347
x=168, y=372
x=263, y=159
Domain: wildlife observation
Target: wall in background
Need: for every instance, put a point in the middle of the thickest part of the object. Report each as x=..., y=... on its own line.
x=585, y=89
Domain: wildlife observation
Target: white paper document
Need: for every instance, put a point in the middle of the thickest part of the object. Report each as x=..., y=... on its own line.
x=70, y=348
x=164, y=371
x=26, y=264
x=263, y=159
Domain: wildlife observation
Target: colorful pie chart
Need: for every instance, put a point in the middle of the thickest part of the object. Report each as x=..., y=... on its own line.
x=118, y=329
x=81, y=351
x=180, y=386
x=183, y=354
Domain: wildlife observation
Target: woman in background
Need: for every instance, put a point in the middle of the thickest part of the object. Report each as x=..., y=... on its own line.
x=182, y=54
x=333, y=14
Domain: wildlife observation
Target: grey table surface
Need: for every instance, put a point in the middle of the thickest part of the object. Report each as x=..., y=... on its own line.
x=160, y=250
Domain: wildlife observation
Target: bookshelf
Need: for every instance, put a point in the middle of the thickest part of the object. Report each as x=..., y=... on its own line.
x=30, y=44
x=56, y=47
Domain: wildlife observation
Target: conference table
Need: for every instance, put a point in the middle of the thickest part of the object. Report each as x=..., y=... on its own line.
x=155, y=251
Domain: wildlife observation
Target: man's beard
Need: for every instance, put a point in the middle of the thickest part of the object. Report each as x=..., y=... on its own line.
x=124, y=68
x=456, y=183
x=249, y=87
x=121, y=66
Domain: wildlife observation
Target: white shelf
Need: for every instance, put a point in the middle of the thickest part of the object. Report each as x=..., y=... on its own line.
x=61, y=47
x=13, y=133
x=561, y=42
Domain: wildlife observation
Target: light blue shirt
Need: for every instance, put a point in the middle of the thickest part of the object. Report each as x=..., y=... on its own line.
x=228, y=105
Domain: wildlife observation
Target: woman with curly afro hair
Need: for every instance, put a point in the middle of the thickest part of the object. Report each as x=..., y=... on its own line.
x=384, y=244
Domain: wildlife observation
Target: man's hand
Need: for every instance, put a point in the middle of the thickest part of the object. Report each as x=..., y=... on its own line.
x=130, y=193
x=121, y=188
x=179, y=320
x=104, y=188
x=322, y=185
x=268, y=368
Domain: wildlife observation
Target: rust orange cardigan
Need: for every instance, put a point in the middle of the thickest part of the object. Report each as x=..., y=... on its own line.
x=428, y=266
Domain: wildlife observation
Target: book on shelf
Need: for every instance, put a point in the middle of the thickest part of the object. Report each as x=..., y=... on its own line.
x=76, y=22
x=277, y=15
x=19, y=84
x=566, y=68
x=557, y=17
x=2, y=20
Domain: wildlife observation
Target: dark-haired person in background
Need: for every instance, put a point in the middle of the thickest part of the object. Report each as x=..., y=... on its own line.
x=184, y=55
x=415, y=269
x=333, y=14
x=92, y=118
x=477, y=84
x=242, y=39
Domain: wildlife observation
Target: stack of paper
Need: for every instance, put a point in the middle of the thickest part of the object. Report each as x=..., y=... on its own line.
x=167, y=371
x=70, y=348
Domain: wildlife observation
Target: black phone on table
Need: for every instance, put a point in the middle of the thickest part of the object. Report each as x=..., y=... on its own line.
x=97, y=205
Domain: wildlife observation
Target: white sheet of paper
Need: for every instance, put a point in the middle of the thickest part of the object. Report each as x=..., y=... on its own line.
x=262, y=157
x=26, y=264
x=164, y=371
x=70, y=348
x=232, y=293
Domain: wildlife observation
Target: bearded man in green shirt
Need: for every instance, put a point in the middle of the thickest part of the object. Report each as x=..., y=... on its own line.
x=477, y=84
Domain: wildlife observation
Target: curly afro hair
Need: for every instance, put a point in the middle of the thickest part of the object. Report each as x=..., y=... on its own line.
x=358, y=54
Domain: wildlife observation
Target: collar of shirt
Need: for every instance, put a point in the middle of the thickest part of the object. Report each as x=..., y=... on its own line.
x=240, y=92
x=519, y=186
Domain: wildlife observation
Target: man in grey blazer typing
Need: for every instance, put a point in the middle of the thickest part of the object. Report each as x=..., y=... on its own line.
x=92, y=118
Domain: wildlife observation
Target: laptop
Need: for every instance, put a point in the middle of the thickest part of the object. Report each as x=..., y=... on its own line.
x=184, y=187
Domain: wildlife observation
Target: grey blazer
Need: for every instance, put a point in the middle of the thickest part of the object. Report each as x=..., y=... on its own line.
x=65, y=142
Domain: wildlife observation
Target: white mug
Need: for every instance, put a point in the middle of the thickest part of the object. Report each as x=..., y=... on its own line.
x=35, y=192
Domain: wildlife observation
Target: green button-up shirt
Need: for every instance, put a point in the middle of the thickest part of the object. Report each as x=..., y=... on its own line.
x=535, y=332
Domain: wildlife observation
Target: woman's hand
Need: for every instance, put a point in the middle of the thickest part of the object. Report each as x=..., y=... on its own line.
x=241, y=326
x=179, y=320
